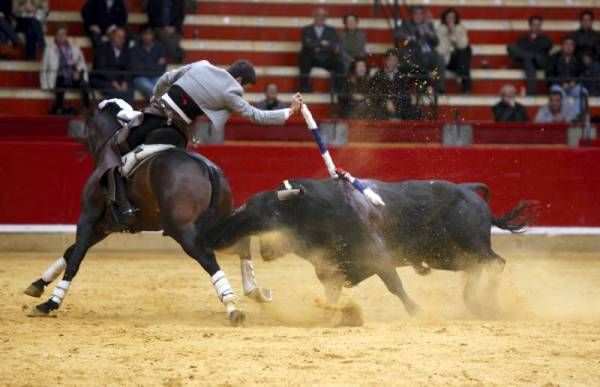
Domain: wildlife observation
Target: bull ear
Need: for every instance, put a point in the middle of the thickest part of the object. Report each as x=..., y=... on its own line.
x=287, y=194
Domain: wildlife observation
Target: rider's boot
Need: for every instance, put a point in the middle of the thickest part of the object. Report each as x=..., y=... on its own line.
x=125, y=211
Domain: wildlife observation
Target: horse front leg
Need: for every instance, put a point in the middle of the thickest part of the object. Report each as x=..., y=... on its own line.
x=37, y=287
x=249, y=282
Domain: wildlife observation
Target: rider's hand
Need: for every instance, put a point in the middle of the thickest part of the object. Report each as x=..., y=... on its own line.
x=296, y=102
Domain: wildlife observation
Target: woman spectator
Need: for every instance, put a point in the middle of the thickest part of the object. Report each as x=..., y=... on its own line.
x=353, y=101
x=63, y=67
x=454, y=47
x=352, y=41
x=30, y=15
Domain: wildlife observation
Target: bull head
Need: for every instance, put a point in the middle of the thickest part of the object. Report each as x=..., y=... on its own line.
x=287, y=194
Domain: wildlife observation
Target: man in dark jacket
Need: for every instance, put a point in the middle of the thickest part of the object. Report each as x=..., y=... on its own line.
x=508, y=109
x=531, y=52
x=101, y=16
x=419, y=40
x=112, y=68
x=564, y=72
x=586, y=37
x=166, y=19
x=320, y=48
x=148, y=62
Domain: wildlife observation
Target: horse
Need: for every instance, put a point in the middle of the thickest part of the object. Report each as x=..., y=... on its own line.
x=177, y=191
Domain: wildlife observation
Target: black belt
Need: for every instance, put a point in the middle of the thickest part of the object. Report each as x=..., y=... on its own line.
x=184, y=102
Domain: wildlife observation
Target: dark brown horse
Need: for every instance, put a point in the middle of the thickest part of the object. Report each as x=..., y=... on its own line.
x=177, y=191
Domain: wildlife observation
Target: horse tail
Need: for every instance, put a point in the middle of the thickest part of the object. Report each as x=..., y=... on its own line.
x=519, y=218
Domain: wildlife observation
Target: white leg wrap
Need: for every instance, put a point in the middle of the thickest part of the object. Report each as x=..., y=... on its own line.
x=223, y=288
x=54, y=270
x=248, y=276
x=60, y=291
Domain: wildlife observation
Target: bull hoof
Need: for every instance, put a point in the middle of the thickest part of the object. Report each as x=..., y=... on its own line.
x=261, y=295
x=413, y=309
x=237, y=318
x=34, y=290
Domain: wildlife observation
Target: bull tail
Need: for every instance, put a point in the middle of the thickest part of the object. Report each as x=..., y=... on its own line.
x=480, y=189
x=519, y=218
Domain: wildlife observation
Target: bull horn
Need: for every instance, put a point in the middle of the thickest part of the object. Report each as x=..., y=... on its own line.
x=287, y=194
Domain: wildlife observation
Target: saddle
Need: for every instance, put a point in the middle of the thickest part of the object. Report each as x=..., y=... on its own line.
x=133, y=160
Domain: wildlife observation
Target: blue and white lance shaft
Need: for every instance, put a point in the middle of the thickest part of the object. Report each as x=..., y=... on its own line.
x=359, y=185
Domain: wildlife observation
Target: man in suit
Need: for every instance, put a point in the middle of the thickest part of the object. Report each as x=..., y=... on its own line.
x=320, y=48
x=166, y=19
x=180, y=96
x=508, y=109
x=112, y=66
x=100, y=17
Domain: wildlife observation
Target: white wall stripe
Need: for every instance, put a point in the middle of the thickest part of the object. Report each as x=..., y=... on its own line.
x=70, y=228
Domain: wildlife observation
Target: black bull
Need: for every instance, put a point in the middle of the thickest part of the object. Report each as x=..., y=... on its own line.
x=425, y=224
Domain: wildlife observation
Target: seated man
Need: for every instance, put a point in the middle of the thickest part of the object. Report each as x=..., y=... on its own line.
x=111, y=75
x=586, y=37
x=165, y=17
x=270, y=102
x=148, y=63
x=531, y=52
x=508, y=109
x=419, y=41
x=320, y=48
x=100, y=17
x=564, y=72
x=555, y=111
x=180, y=96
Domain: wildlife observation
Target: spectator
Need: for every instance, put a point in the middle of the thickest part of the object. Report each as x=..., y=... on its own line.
x=564, y=72
x=555, y=111
x=30, y=15
x=63, y=67
x=100, y=17
x=8, y=37
x=454, y=47
x=531, y=52
x=508, y=109
x=166, y=19
x=148, y=63
x=352, y=41
x=320, y=48
x=112, y=66
x=353, y=101
x=420, y=40
x=271, y=102
x=590, y=76
x=388, y=91
x=586, y=36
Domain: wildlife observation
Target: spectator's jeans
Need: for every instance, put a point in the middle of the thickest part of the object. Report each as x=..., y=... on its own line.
x=107, y=89
x=577, y=93
x=460, y=63
x=334, y=65
x=145, y=85
x=7, y=34
x=434, y=63
x=61, y=87
x=34, y=35
x=529, y=62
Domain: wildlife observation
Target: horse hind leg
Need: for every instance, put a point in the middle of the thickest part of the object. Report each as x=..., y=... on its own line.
x=199, y=250
x=37, y=287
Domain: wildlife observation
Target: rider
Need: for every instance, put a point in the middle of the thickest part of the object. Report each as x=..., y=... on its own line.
x=179, y=97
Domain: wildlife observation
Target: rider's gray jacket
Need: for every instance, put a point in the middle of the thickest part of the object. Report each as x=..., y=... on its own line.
x=217, y=93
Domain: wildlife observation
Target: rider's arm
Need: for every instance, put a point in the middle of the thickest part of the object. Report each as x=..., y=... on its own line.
x=168, y=79
x=235, y=103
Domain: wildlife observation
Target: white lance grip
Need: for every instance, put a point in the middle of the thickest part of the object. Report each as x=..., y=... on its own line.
x=310, y=121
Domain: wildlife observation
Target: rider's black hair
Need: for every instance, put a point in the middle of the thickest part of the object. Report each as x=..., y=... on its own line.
x=245, y=70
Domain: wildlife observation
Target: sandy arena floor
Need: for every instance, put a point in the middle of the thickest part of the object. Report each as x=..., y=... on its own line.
x=153, y=319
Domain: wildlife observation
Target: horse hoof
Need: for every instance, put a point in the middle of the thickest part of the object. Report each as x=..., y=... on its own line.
x=237, y=318
x=261, y=295
x=414, y=310
x=34, y=291
x=40, y=312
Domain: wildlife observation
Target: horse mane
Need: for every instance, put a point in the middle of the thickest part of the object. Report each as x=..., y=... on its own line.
x=101, y=126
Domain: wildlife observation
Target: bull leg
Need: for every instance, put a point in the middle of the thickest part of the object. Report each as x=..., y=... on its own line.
x=394, y=284
x=470, y=291
x=494, y=269
x=332, y=281
x=249, y=283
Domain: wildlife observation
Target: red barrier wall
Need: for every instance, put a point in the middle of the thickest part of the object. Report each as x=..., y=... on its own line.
x=41, y=180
